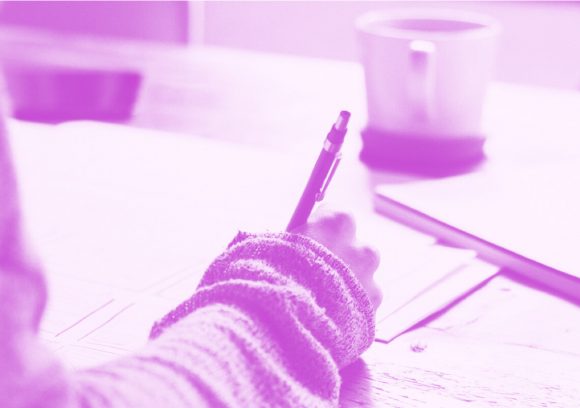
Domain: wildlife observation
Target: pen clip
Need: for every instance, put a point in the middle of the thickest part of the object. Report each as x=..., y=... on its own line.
x=322, y=192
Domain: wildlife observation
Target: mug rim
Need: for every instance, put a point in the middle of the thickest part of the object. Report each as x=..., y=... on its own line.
x=488, y=26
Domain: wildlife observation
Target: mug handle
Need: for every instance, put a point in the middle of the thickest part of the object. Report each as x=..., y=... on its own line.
x=422, y=78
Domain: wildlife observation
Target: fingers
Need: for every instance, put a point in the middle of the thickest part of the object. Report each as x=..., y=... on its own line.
x=366, y=258
x=340, y=224
x=364, y=262
x=337, y=231
x=375, y=295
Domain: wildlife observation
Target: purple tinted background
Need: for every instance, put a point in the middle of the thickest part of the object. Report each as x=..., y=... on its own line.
x=539, y=40
x=244, y=25
x=160, y=21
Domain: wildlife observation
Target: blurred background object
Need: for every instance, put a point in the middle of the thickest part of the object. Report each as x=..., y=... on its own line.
x=166, y=21
x=539, y=43
x=427, y=73
x=56, y=93
x=539, y=40
x=45, y=85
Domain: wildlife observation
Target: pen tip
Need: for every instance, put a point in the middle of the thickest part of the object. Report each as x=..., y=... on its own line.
x=342, y=120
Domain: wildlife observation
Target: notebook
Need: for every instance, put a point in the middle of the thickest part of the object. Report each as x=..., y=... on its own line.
x=525, y=218
x=112, y=212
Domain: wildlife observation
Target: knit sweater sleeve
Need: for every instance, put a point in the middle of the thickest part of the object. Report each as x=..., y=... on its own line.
x=273, y=320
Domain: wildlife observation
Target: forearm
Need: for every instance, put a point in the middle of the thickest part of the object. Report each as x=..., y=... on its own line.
x=217, y=356
x=273, y=320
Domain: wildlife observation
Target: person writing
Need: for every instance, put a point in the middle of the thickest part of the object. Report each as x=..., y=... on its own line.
x=273, y=320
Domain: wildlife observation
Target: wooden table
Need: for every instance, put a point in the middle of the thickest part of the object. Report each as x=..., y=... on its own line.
x=507, y=344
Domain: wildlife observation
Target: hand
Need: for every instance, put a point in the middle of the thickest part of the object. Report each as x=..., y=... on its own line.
x=337, y=231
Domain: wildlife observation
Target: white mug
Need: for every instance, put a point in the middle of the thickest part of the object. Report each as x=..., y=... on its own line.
x=426, y=71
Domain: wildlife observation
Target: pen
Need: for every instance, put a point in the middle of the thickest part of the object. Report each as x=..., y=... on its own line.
x=322, y=173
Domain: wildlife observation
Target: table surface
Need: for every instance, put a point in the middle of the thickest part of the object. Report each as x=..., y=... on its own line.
x=508, y=343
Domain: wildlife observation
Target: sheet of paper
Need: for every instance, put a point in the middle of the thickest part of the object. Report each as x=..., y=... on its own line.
x=423, y=270
x=395, y=319
x=120, y=219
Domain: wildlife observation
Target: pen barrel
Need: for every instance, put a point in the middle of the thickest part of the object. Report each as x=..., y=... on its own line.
x=313, y=188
